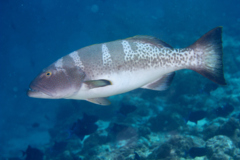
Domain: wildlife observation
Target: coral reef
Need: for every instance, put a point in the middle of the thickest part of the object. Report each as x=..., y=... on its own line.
x=220, y=146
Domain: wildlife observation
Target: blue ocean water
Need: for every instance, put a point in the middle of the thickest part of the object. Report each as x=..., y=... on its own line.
x=141, y=124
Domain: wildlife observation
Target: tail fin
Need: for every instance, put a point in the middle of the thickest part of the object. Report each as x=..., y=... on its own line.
x=210, y=45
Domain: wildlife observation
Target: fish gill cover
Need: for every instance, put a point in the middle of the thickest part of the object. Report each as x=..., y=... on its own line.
x=194, y=118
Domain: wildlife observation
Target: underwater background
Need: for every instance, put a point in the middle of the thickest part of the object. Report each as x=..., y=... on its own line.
x=193, y=119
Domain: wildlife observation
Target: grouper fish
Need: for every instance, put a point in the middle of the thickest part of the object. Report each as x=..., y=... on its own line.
x=96, y=72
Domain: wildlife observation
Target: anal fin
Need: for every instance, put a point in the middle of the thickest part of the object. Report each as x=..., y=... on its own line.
x=99, y=101
x=161, y=83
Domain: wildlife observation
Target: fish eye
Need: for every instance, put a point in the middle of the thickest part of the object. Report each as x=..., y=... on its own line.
x=48, y=73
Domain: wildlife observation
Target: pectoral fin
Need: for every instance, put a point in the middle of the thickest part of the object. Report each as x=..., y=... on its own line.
x=162, y=83
x=100, y=101
x=97, y=83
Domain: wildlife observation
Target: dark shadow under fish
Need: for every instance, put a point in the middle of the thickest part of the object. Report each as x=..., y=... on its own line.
x=84, y=126
x=224, y=110
x=197, y=152
x=196, y=116
x=125, y=109
x=33, y=154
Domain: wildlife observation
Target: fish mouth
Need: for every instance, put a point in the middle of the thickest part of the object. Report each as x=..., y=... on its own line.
x=36, y=93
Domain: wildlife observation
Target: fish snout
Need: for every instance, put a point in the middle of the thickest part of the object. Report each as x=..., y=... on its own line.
x=36, y=92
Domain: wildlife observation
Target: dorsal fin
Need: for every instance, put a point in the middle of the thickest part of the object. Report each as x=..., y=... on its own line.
x=151, y=40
